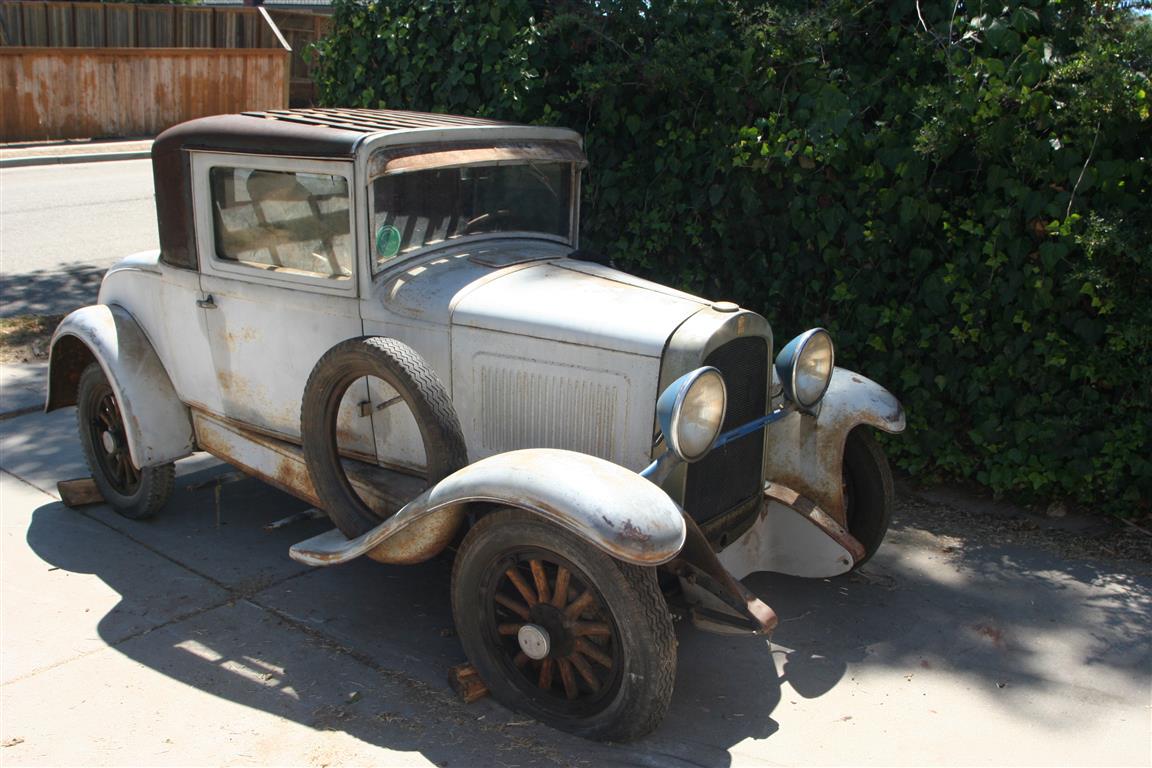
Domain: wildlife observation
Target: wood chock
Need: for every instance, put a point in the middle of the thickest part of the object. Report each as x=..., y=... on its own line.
x=467, y=683
x=79, y=492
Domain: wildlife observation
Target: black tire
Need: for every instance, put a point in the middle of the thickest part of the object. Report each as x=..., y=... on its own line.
x=868, y=491
x=622, y=638
x=133, y=492
x=405, y=371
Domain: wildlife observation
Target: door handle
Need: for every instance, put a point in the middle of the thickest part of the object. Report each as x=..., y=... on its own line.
x=208, y=303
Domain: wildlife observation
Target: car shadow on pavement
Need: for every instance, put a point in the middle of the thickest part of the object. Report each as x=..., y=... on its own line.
x=50, y=292
x=362, y=648
x=366, y=648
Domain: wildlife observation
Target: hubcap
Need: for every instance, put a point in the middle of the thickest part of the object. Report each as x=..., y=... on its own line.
x=109, y=441
x=534, y=641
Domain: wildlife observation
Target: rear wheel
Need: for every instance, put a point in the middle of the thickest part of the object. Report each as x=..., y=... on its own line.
x=559, y=630
x=131, y=491
x=868, y=491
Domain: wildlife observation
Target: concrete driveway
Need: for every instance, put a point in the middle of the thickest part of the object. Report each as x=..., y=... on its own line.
x=192, y=639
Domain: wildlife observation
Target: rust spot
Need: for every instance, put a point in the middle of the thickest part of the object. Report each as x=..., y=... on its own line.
x=995, y=634
x=807, y=486
x=346, y=437
x=235, y=338
x=424, y=538
x=632, y=533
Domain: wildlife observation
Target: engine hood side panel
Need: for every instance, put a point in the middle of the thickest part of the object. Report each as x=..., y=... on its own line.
x=515, y=392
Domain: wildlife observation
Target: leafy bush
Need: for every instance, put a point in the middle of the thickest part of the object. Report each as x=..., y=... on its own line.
x=959, y=192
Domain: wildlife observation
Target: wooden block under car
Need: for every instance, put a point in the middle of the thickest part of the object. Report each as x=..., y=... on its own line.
x=79, y=492
x=467, y=683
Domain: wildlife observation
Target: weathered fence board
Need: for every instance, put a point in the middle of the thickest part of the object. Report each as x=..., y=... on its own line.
x=58, y=93
x=35, y=23
x=155, y=26
x=89, y=25
x=301, y=30
x=120, y=23
x=196, y=28
x=61, y=31
x=81, y=24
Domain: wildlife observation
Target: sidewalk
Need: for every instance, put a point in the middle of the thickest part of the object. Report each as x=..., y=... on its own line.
x=22, y=154
x=193, y=639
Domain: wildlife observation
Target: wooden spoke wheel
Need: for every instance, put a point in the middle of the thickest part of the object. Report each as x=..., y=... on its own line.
x=132, y=491
x=107, y=430
x=553, y=630
x=559, y=630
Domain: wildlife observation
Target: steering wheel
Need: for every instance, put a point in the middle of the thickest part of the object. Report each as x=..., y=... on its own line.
x=490, y=217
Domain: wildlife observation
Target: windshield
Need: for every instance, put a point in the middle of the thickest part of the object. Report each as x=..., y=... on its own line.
x=420, y=208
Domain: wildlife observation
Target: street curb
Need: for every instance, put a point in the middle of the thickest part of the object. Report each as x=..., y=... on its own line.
x=95, y=157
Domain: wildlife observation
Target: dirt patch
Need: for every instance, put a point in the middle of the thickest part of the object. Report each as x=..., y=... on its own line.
x=974, y=519
x=25, y=338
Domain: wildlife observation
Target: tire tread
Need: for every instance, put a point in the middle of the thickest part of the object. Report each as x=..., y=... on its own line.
x=643, y=708
x=334, y=372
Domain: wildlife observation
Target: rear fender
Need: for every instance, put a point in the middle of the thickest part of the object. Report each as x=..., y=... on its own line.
x=806, y=453
x=611, y=507
x=157, y=424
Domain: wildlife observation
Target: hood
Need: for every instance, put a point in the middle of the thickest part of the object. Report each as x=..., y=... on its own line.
x=579, y=303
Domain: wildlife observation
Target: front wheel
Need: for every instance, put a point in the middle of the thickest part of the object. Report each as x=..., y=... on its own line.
x=559, y=630
x=132, y=491
x=868, y=491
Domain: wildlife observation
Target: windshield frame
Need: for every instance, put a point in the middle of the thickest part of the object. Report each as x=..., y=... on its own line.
x=396, y=160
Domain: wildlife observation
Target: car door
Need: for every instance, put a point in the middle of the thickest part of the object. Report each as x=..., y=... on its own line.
x=279, y=287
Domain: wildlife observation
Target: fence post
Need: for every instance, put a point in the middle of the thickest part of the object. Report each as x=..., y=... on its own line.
x=283, y=44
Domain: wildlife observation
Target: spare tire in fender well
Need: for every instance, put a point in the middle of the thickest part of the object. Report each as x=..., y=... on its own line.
x=404, y=370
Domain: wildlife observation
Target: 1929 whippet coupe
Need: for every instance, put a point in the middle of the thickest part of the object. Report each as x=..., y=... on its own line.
x=387, y=314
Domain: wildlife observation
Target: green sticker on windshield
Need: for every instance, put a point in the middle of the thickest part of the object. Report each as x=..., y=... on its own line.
x=387, y=241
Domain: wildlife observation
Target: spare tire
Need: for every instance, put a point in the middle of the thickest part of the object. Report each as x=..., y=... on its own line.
x=415, y=382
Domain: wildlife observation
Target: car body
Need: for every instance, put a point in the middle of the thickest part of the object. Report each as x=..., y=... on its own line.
x=387, y=314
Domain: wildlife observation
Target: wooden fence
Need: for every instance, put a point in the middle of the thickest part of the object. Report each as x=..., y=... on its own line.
x=35, y=23
x=59, y=93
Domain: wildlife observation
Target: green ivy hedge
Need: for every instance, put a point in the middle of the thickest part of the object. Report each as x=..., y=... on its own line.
x=961, y=192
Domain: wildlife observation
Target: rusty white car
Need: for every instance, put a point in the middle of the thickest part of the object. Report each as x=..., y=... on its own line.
x=387, y=314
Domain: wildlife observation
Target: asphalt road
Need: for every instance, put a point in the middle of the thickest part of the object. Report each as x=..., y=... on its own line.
x=193, y=639
x=62, y=226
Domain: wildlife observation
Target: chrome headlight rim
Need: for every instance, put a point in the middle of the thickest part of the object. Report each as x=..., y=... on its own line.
x=789, y=364
x=672, y=414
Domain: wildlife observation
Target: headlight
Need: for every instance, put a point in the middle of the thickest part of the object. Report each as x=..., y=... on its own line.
x=805, y=367
x=691, y=412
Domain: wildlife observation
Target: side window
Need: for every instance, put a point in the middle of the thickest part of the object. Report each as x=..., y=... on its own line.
x=282, y=221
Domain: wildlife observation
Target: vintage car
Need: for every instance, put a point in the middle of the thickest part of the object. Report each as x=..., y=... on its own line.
x=387, y=314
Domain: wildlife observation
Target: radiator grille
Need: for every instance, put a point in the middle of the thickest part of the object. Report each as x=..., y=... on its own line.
x=549, y=407
x=730, y=475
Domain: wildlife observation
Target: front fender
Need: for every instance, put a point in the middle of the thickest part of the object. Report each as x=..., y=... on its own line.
x=806, y=453
x=157, y=423
x=609, y=506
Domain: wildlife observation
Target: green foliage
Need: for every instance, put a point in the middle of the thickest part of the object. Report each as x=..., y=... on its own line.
x=959, y=192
